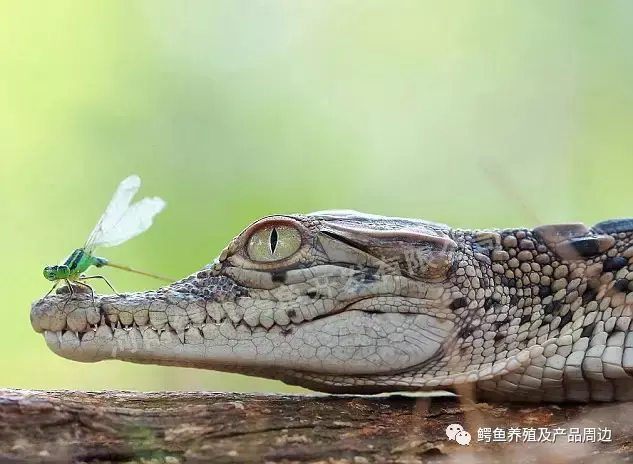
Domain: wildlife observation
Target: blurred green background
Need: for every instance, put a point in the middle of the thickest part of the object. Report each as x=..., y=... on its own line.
x=492, y=114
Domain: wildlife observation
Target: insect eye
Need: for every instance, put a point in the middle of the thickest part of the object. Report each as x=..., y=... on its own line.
x=273, y=243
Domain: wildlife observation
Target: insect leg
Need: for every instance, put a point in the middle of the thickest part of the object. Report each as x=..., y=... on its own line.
x=70, y=290
x=100, y=277
x=92, y=292
x=54, y=286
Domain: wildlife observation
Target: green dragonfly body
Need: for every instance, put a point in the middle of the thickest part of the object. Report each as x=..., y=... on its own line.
x=120, y=222
x=72, y=269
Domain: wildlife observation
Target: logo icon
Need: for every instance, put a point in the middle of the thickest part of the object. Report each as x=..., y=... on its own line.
x=456, y=432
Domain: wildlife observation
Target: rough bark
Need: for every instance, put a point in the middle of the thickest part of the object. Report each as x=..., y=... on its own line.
x=114, y=426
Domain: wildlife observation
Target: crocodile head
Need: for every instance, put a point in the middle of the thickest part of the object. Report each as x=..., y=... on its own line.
x=335, y=301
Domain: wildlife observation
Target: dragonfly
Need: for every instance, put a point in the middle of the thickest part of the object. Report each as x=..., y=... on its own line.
x=120, y=222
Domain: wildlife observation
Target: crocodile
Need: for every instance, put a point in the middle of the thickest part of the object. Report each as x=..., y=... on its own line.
x=346, y=302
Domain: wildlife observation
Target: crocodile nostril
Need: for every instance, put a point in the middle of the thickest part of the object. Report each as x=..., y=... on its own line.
x=312, y=294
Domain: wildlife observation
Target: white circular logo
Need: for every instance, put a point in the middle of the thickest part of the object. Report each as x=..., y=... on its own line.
x=456, y=432
x=453, y=430
x=463, y=438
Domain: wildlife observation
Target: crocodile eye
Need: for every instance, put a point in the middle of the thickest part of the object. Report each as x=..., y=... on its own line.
x=273, y=243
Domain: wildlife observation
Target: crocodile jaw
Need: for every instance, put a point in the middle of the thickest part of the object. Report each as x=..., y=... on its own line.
x=211, y=322
x=515, y=314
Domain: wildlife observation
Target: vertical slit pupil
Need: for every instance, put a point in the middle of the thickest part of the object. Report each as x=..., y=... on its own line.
x=273, y=240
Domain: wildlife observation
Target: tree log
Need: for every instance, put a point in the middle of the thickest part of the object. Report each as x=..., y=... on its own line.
x=174, y=427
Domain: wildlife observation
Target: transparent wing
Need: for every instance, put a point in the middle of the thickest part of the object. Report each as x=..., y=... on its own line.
x=119, y=203
x=121, y=221
x=136, y=220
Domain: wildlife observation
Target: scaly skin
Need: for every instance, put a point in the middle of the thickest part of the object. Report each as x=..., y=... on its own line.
x=339, y=301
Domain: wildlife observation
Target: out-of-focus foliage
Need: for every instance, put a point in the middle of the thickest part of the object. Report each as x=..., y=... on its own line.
x=476, y=115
